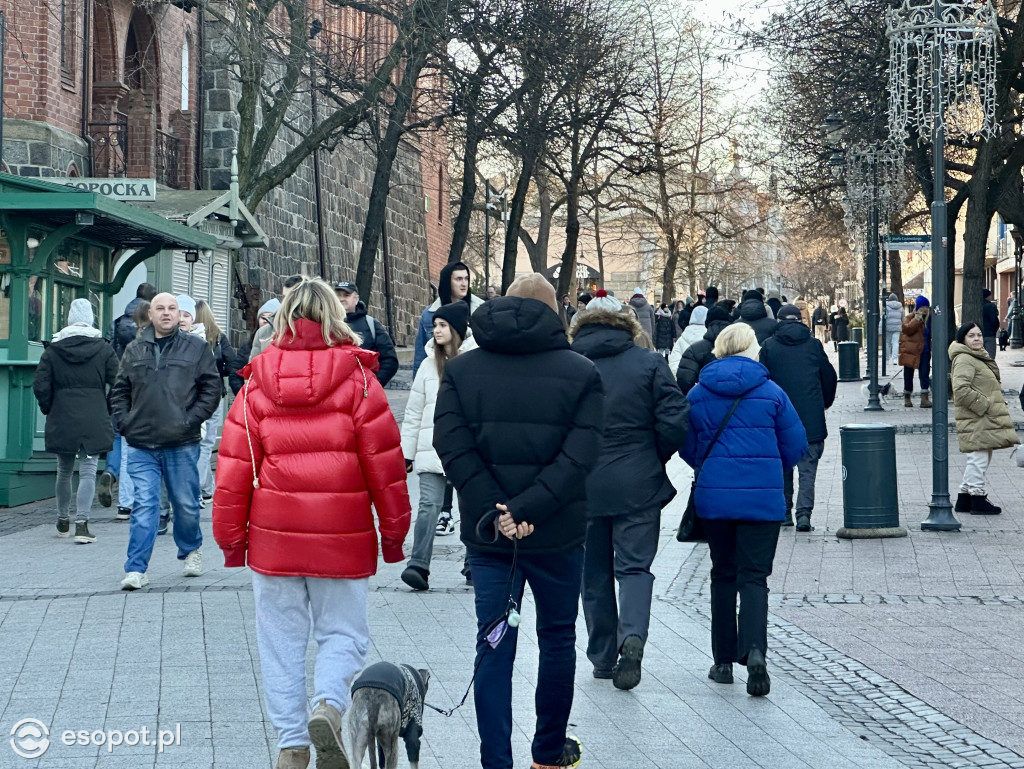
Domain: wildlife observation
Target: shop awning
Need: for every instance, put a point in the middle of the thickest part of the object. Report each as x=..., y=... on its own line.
x=101, y=218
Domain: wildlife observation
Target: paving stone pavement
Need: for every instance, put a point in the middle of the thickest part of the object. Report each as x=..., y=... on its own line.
x=885, y=653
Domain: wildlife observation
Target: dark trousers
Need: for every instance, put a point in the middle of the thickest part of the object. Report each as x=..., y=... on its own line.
x=741, y=562
x=619, y=548
x=908, y=374
x=554, y=580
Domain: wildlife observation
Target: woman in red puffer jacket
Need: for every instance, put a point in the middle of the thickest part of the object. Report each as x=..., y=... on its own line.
x=309, y=446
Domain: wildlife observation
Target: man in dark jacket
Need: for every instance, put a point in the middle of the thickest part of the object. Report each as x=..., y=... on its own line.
x=646, y=421
x=989, y=322
x=517, y=426
x=644, y=311
x=797, y=363
x=167, y=386
x=452, y=286
x=753, y=312
x=699, y=354
x=375, y=336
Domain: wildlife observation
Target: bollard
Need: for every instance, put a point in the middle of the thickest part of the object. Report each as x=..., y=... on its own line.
x=857, y=335
x=849, y=362
x=870, y=490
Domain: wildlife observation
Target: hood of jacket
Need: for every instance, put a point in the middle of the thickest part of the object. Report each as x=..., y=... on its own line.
x=444, y=283
x=129, y=309
x=715, y=328
x=469, y=343
x=694, y=332
x=894, y=304
x=301, y=370
x=752, y=309
x=638, y=301
x=733, y=376
x=792, y=332
x=513, y=325
x=357, y=313
x=603, y=333
x=958, y=348
x=77, y=344
x=76, y=330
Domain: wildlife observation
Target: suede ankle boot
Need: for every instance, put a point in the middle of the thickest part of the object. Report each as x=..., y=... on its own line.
x=963, y=503
x=907, y=401
x=926, y=400
x=981, y=506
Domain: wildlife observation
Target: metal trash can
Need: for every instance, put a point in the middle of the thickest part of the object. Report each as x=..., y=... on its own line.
x=870, y=490
x=849, y=362
x=857, y=335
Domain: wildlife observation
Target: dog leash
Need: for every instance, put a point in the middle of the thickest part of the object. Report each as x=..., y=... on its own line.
x=499, y=627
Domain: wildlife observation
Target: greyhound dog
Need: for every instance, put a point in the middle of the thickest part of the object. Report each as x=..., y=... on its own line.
x=387, y=703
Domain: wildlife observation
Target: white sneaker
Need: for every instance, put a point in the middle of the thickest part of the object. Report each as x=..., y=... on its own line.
x=445, y=525
x=133, y=580
x=194, y=563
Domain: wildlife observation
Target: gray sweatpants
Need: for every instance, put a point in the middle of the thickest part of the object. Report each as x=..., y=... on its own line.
x=619, y=548
x=808, y=470
x=431, y=496
x=286, y=609
x=86, y=484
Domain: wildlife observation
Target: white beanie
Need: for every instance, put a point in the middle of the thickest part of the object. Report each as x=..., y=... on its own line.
x=699, y=316
x=186, y=304
x=638, y=291
x=602, y=301
x=81, y=312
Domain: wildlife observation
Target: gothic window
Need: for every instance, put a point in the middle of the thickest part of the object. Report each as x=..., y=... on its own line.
x=67, y=41
x=184, y=75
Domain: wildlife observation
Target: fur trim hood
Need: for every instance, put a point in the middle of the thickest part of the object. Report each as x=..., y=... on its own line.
x=619, y=320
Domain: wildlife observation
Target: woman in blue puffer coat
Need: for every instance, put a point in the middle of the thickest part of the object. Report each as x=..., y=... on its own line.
x=739, y=496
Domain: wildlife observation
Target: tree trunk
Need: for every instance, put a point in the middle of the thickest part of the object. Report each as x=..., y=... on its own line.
x=567, y=275
x=668, y=276
x=896, y=275
x=515, y=221
x=539, y=257
x=598, y=244
x=979, y=218
x=460, y=230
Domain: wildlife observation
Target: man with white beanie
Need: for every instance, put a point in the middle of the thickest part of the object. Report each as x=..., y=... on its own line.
x=167, y=386
x=71, y=383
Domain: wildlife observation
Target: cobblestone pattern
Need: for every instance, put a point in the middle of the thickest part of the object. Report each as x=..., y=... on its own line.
x=870, y=705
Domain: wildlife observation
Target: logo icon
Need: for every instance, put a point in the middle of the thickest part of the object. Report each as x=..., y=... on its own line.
x=30, y=738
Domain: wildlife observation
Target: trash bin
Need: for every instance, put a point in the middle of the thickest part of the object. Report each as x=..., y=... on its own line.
x=858, y=335
x=870, y=491
x=849, y=362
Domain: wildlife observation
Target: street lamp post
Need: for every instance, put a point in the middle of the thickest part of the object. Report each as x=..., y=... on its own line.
x=959, y=40
x=1016, y=330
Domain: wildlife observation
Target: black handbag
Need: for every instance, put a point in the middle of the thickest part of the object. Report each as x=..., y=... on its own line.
x=690, y=528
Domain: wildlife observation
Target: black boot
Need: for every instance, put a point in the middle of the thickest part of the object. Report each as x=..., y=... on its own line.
x=721, y=673
x=758, y=681
x=981, y=506
x=963, y=503
x=789, y=519
x=626, y=673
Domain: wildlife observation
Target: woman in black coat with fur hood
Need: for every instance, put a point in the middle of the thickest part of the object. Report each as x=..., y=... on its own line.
x=646, y=420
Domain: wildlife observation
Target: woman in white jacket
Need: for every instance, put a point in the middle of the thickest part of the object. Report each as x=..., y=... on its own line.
x=451, y=336
x=694, y=332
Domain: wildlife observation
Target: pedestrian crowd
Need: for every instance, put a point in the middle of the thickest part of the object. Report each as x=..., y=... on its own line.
x=550, y=421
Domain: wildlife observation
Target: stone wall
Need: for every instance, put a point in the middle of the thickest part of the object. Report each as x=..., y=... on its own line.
x=38, y=149
x=288, y=213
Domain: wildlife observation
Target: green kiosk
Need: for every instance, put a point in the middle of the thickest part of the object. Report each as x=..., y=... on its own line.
x=56, y=245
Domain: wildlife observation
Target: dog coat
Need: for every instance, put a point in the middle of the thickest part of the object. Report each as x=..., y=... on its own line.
x=403, y=683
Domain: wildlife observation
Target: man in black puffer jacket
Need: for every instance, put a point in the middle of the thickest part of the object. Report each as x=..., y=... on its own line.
x=699, y=354
x=797, y=363
x=753, y=312
x=646, y=421
x=517, y=426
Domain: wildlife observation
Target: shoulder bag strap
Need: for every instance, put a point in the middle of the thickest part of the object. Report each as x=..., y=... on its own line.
x=721, y=429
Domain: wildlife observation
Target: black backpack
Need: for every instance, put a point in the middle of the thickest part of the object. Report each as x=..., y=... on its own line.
x=125, y=332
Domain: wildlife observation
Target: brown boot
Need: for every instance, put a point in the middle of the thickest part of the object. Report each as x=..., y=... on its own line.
x=292, y=758
x=926, y=401
x=907, y=401
x=325, y=732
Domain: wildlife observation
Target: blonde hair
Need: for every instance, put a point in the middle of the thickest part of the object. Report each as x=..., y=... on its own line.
x=314, y=300
x=737, y=339
x=204, y=315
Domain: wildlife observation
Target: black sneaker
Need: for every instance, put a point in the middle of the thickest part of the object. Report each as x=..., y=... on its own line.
x=103, y=484
x=572, y=754
x=162, y=527
x=789, y=520
x=803, y=522
x=626, y=674
x=63, y=526
x=603, y=674
x=124, y=513
x=416, y=578
x=721, y=673
x=82, y=534
x=981, y=506
x=758, y=681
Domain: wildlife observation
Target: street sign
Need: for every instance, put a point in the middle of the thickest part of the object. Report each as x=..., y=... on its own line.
x=116, y=187
x=907, y=243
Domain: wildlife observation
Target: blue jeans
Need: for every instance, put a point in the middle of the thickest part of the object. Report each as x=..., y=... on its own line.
x=178, y=470
x=206, y=449
x=555, y=580
x=113, y=463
